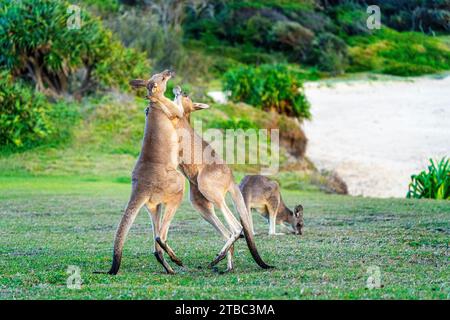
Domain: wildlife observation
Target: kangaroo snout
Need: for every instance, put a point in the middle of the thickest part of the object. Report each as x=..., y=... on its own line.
x=169, y=73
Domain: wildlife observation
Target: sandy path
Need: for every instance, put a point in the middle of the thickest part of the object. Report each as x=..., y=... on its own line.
x=376, y=134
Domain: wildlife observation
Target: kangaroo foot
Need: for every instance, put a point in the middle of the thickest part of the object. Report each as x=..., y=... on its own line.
x=169, y=251
x=229, y=269
x=159, y=256
x=277, y=234
x=219, y=258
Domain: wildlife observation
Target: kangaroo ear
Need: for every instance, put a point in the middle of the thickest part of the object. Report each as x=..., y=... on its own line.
x=199, y=106
x=138, y=83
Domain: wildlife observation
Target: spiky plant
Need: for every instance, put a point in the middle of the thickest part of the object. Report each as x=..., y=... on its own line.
x=432, y=184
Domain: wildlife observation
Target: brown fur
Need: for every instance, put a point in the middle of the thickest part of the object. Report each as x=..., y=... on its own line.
x=264, y=195
x=209, y=182
x=155, y=179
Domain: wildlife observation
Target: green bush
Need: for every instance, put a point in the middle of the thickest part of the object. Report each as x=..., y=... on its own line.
x=268, y=87
x=401, y=54
x=38, y=46
x=432, y=184
x=330, y=53
x=352, y=17
x=293, y=37
x=27, y=119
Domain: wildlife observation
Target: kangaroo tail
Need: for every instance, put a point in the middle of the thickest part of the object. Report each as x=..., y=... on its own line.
x=243, y=214
x=125, y=224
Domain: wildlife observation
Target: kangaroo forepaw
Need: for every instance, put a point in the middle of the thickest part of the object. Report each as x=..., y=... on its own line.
x=176, y=90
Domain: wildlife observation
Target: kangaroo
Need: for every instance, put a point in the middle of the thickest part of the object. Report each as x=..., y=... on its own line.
x=263, y=194
x=209, y=182
x=155, y=179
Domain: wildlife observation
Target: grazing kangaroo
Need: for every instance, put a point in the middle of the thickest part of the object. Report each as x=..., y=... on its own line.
x=209, y=182
x=155, y=179
x=263, y=194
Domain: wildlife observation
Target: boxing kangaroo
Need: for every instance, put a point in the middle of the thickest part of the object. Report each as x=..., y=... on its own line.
x=209, y=182
x=155, y=179
x=263, y=194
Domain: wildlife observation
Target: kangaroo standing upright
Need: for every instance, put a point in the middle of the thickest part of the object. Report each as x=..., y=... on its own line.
x=155, y=179
x=209, y=182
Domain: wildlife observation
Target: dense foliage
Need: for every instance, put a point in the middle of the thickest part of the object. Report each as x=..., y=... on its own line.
x=269, y=87
x=27, y=119
x=42, y=43
x=321, y=33
x=432, y=184
x=208, y=37
x=402, y=54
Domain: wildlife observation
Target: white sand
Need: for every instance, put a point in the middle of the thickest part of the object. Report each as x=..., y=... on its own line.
x=376, y=134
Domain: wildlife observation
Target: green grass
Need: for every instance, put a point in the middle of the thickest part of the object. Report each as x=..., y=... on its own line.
x=49, y=223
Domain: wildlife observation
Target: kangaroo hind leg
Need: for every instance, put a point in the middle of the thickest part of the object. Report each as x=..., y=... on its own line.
x=206, y=209
x=169, y=213
x=272, y=205
x=155, y=215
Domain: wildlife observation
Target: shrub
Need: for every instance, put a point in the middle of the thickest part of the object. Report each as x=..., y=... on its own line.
x=330, y=53
x=432, y=184
x=293, y=37
x=38, y=45
x=352, y=18
x=268, y=87
x=254, y=30
x=402, y=54
x=27, y=119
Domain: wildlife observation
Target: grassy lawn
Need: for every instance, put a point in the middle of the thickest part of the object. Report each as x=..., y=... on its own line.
x=49, y=223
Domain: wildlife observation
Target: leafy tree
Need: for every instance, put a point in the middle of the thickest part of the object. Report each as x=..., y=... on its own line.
x=39, y=46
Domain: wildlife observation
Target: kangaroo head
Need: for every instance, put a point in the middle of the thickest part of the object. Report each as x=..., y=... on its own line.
x=188, y=106
x=296, y=220
x=156, y=85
